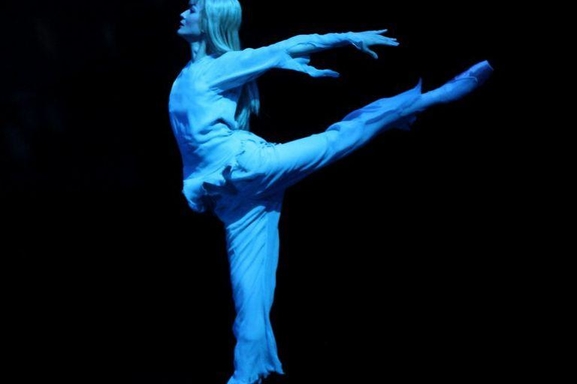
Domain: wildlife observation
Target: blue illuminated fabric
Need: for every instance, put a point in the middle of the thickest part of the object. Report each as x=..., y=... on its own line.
x=242, y=178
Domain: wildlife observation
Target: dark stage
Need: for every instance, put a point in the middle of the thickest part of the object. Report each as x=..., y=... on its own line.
x=388, y=270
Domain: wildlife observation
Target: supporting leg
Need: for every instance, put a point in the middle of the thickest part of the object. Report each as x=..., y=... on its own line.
x=253, y=247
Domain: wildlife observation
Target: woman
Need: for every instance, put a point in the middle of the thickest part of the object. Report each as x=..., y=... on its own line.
x=240, y=177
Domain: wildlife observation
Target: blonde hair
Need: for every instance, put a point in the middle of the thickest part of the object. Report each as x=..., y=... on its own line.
x=221, y=21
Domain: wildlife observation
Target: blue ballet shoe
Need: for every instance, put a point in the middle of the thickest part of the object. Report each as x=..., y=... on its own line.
x=463, y=83
x=480, y=72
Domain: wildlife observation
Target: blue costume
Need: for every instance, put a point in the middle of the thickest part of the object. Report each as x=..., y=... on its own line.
x=241, y=177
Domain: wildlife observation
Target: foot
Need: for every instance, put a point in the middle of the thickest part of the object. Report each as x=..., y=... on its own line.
x=462, y=84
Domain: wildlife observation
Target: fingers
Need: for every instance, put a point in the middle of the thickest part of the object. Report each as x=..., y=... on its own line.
x=375, y=37
x=393, y=42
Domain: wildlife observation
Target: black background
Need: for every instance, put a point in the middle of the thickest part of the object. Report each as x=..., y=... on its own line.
x=391, y=261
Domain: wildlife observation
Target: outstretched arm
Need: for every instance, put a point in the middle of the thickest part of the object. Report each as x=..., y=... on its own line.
x=304, y=45
x=235, y=68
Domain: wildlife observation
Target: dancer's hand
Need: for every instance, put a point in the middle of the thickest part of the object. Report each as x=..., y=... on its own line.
x=364, y=40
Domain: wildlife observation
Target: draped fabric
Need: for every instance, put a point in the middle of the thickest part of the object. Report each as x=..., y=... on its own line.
x=242, y=178
x=247, y=197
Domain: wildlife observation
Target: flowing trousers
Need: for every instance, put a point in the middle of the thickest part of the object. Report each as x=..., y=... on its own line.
x=249, y=205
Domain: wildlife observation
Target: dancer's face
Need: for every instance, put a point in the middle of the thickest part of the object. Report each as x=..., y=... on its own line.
x=190, y=22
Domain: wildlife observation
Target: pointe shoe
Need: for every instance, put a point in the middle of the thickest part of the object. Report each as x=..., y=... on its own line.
x=463, y=83
x=480, y=72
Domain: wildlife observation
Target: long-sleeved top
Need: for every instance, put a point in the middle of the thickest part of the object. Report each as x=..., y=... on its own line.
x=203, y=101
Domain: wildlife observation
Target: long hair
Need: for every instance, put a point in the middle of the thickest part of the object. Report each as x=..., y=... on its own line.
x=221, y=21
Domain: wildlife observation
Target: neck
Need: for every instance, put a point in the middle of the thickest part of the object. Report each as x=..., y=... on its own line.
x=198, y=50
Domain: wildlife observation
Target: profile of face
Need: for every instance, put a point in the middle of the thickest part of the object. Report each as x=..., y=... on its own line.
x=190, y=28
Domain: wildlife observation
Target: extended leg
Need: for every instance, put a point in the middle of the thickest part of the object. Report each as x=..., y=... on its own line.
x=265, y=168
